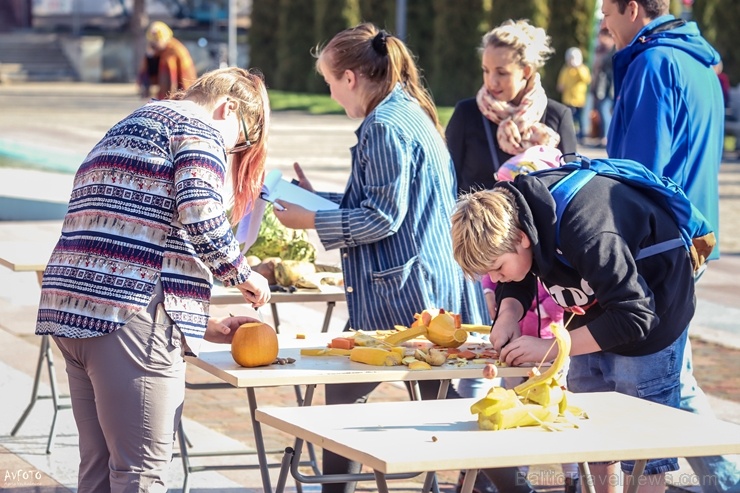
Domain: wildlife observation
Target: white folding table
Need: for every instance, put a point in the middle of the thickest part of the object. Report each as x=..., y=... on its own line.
x=314, y=370
x=428, y=436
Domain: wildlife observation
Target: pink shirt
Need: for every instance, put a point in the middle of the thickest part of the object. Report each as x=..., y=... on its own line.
x=550, y=312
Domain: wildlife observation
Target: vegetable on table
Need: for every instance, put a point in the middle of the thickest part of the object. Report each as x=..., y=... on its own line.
x=275, y=240
x=540, y=401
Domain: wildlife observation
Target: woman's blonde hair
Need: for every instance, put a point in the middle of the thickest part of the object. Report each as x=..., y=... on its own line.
x=380, y=58
x=485, y=225
x=531, y=45
x=248, y=89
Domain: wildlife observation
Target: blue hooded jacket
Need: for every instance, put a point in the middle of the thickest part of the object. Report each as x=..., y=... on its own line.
x=669, y=111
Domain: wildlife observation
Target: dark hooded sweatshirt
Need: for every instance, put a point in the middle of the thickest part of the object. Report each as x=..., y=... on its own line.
x=633, y=308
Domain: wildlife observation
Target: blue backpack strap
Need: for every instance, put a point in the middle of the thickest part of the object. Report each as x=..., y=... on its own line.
x=661, y=247
x=563, y=192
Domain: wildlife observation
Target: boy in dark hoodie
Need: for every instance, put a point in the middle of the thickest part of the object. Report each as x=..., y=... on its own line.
x=631, y=335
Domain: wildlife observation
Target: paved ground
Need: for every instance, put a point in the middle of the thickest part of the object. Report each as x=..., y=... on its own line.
x=58, y=123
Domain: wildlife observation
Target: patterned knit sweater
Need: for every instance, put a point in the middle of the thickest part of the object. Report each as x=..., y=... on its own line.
x=146, y=205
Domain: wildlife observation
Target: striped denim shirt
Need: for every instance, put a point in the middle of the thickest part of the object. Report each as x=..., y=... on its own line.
x=393, y=224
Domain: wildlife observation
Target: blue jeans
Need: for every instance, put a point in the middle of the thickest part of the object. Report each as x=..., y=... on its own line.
x=605, y=108
x=654, y=377
x=717, y=473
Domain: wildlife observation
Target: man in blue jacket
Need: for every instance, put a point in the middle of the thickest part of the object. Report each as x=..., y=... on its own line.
x=669, y=116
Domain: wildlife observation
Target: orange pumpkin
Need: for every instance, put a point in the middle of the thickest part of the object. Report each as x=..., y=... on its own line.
x=254, y=344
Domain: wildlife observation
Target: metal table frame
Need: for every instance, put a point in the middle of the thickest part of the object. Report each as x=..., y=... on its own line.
x=225, y=296
x=25, y=258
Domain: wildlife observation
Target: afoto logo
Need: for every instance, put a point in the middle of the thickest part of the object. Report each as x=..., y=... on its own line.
x=20, y=476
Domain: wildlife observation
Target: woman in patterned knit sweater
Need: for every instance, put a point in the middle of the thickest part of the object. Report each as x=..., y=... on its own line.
x=127, y=288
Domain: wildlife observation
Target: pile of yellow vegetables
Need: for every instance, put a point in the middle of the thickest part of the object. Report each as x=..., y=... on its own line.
x=540, y=401
x=439, y=326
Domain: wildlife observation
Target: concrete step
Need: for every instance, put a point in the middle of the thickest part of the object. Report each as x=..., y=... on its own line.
x=26, y=56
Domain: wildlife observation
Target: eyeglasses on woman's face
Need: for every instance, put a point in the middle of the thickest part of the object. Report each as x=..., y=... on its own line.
x=241, y=146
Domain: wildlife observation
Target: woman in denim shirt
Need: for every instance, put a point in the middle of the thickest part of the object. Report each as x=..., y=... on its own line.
x=393, y=222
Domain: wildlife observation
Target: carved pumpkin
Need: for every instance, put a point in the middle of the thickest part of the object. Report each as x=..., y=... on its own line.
x=254, y=344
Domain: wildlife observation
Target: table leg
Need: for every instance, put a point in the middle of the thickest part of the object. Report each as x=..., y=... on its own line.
x=381, y=482
x=587, y=480
x=35, y=391
x=184, y=456
x=327, y=316
x=636, y=473
x=45, y=354
x=275, y=318
x=259, y=441
x=54, y=394
x=313, y=461
x=469, y=481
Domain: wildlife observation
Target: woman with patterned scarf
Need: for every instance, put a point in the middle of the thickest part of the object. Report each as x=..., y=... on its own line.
x=511, y=111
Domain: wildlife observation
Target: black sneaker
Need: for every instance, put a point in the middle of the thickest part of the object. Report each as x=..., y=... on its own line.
x=482, y=484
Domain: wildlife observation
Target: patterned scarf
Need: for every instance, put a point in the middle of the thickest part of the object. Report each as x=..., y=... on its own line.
x=519, y=127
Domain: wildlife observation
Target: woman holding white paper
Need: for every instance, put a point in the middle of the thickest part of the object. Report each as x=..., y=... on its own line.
x=393, y=222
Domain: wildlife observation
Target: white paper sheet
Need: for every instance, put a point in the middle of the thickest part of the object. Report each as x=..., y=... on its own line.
x=277, y=188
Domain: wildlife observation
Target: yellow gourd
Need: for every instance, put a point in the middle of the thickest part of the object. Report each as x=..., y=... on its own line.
x=376, y=356
x=254, y=344
x=443, y=331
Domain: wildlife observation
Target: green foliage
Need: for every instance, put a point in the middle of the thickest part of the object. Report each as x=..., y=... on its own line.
x=317, y=104
x=717, y=20
x=295, y=65
x=454, y=75
x=321, y=104
x=536, y=11
x=262, y=38
x=420, y=34
x=382, y=13
x=275, y=240
x=331, y=17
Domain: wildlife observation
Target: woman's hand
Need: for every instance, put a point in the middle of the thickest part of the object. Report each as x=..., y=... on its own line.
x=222, y=331
x=302, y=180
x=255, y=290
x=294, y=216
x=528, y=349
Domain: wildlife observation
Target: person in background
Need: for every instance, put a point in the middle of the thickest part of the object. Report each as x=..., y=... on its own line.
x=573, y=81
x=602, y=83
x=724, y=82
x=669, y=116
x=126, y=291
x=511, y=111
x=393, y=221
x=167, y=63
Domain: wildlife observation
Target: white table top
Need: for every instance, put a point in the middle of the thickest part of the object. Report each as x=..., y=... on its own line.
x=216, y=359
x=394, y=437
x=232, y=296
x=20, y=256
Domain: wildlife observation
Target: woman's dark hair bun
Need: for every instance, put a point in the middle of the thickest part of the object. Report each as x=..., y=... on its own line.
x=380, y=43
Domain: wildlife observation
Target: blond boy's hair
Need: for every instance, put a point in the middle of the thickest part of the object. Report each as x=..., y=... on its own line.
x=485, y=225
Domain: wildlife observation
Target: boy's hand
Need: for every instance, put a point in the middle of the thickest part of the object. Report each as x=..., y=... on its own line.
x=502, y=333
x=528, y=349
